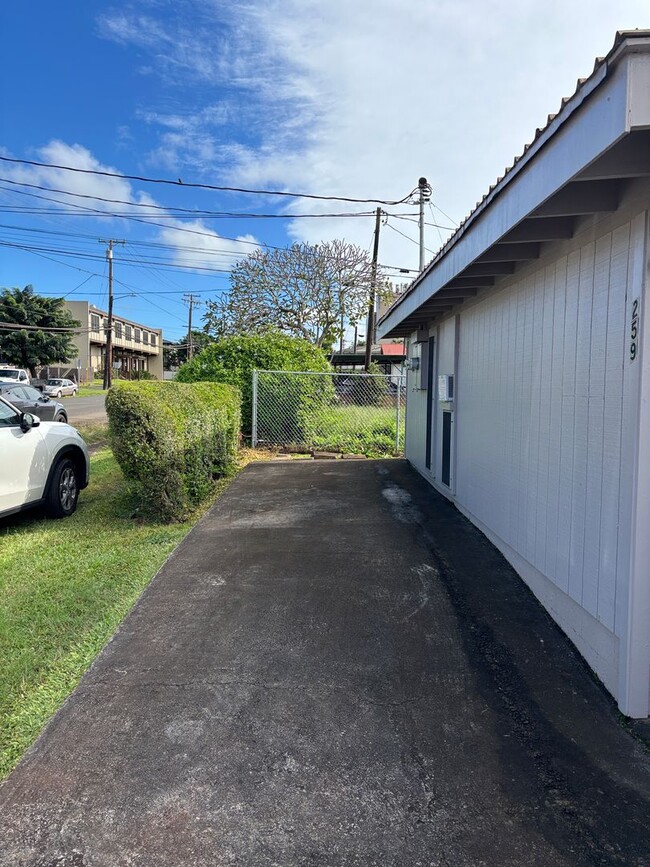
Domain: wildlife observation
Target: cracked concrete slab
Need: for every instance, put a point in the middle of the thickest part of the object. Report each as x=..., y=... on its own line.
x=334, y=668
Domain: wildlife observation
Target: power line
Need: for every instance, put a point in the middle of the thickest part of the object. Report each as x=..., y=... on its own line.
x=412, y=240
x=207, y=251
x=17, y=326
x=193, y=185
x=146, y=222
x=410, y=219
x=148, y=300
x=175, y=211
x=439, y=232
x=451, y=219
x=77, y=254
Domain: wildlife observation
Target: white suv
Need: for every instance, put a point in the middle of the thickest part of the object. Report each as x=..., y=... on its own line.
x=42, y=463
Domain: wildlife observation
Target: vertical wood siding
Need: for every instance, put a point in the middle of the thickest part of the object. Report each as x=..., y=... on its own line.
x=541, y=419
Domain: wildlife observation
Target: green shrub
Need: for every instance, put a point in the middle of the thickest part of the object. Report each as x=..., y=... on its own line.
x=288, y=405
x=371, y=389
x=173, y=440
x=233, y=360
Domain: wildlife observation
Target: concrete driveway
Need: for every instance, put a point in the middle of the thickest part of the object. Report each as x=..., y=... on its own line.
x=334, y=668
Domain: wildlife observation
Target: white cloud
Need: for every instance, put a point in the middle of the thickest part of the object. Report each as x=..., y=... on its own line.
x=383, y=92
x=59, y=153
x=207, y=246
x=182, y=49
x=362, y=98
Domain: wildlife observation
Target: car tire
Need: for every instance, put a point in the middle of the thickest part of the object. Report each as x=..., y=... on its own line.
x=61, y=417
x=58, y=394
x=63, y=492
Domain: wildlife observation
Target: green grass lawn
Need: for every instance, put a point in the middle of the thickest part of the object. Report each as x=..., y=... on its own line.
x=93, y=432
x=89, y=390
x=368, y=430
x=64, y=588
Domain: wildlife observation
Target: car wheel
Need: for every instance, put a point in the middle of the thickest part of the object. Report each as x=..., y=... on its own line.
x=62, y=417
x=58, y=394
x=63, y=493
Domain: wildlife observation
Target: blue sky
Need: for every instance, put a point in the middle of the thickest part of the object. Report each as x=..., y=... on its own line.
x=329, y=98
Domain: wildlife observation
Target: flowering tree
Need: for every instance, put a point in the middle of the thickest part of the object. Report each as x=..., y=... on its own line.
x=304, y=291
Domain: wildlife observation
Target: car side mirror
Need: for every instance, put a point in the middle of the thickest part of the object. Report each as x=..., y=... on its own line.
x=44, y=397
x=28, y=421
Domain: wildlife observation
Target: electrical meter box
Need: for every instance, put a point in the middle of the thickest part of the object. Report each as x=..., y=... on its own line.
x=445, y=387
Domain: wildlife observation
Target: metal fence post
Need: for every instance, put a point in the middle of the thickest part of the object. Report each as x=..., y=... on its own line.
x=254, y=412
x=399, y=403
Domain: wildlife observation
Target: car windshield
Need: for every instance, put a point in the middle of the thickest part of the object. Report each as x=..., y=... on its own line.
x=55, y=382
x=9, y=372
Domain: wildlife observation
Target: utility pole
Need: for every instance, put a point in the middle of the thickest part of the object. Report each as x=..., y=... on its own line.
x=425, y=190
x=370, y=327
x=108, y=360
x=191, y=300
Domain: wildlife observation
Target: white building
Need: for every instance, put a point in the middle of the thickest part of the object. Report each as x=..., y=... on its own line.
x=136, y=347
x=531, y=407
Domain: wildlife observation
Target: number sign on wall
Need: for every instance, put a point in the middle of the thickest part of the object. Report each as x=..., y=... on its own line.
x=634, y=330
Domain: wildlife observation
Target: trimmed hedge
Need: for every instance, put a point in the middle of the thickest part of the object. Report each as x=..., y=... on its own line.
x=173, y=440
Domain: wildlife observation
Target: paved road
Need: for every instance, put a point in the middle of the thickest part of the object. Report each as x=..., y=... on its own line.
x=334, y=668
x=85, y=409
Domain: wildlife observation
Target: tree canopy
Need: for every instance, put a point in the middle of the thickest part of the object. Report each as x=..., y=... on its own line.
x=175, y=354
x=304, y=291
x=35, y=346
x=233, y=359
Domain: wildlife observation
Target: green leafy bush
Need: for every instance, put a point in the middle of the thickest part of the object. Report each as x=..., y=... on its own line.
x=173, y=440
x=233, y=360
x=289, y=402
x=371, y=389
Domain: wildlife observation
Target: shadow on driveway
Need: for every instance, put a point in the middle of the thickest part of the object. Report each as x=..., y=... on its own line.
x=334, y=668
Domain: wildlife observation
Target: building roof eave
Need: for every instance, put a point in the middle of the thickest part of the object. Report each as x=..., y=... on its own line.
x=583, y=130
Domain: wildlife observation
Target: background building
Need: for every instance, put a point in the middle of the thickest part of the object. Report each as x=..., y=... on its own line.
x=136, y=347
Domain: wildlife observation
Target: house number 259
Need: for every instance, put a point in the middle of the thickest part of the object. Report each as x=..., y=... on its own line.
x=634, y=330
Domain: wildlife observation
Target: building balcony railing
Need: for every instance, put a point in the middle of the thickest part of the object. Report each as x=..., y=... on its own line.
x=132, y=344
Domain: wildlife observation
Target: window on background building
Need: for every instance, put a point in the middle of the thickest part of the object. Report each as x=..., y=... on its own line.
x=153, y=339
x=136, y=335
x=94, y=322
x=145, y=337
x=118, y=329
x=127, y=330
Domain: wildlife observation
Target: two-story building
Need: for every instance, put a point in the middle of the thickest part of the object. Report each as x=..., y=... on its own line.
x=136, y=347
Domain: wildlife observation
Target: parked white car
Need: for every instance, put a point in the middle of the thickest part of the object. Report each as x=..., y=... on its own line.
x=59, y=387
x=14, y=374
x=42, y=463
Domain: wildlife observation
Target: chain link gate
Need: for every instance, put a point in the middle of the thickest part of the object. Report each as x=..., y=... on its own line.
x=350, y=413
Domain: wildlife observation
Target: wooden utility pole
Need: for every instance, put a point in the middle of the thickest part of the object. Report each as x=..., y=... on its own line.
x=191, y=300
x=108, y=359
x=370, y=327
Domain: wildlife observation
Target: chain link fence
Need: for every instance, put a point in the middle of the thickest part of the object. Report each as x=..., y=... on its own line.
x=350, y=413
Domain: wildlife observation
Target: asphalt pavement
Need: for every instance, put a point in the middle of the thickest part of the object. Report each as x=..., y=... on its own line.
x=85, y=409
x=334, y=668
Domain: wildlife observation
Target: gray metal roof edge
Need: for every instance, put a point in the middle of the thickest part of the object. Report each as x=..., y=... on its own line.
x=625, y=41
